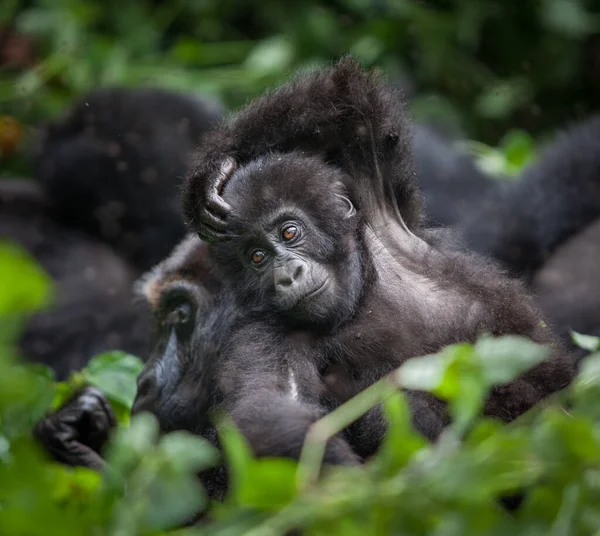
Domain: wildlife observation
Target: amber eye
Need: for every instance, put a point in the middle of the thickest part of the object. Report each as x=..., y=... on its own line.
x=289, y=232
x=258, y=256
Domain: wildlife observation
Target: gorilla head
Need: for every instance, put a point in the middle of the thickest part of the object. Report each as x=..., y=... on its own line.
x=294, y=246
x=191, y=315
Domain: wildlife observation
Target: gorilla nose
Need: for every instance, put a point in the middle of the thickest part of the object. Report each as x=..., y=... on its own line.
x=289, y=274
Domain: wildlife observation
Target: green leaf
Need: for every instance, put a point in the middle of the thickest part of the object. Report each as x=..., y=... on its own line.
x=423, y=373
x=130, y=444
x=401, y=442
x=568, y=17
x=272, y=55
x=437, y=373
x=505, y=358
x=270, y=484
x=586, y=387
x=368, y=48
x=26, y=393
x=172, y=499
x=188, y=452
x=519, y=149
x=115, y=374
x=237, y=453
x=587, y=342
x=503, y=98
x=25, y=286
x=75, y=483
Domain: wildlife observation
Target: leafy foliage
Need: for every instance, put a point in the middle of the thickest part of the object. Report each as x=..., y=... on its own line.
x=486, y=64
x=466, y=60
x=516, y=150
x=550, y=457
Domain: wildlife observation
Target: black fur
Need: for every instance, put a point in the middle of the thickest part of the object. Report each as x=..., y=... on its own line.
x=451, y=185
x=567, y=285
x=92, y=311
x=349, y=118
x=113, y=165
x=178, y=383
x=544, y=227
x=193, y=317
x=522, y=223
x=410, y=297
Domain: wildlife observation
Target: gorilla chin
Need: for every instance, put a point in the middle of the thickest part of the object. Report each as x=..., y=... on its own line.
x=316, y=305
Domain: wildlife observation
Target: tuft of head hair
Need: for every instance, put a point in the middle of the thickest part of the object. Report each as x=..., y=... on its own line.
x=351, y=117
x=188, y=262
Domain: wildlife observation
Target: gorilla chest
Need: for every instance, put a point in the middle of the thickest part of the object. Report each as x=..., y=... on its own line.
x=411, y=318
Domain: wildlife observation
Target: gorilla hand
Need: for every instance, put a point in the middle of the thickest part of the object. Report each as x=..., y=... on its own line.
x=211, y=225
x=76, y=433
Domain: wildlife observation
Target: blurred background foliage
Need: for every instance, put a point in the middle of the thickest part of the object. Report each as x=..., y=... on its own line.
x=485, y=66
x=504, y=73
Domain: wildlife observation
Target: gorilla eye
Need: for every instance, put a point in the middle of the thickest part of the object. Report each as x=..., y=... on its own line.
x=289, y=232
x=257, y=256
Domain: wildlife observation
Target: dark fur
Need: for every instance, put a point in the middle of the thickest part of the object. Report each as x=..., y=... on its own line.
x=186, y=399
x=413, y=298
x=179, y=382
x=113, y=165
x=92, y=311
x=567, y=286
x=451, y=185
x=187, y=388
x=522, y=223
x=350, y=119
x=544, y=227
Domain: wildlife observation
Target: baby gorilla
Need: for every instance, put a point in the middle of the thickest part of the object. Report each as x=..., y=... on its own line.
x=316, y=288
x=296, y=241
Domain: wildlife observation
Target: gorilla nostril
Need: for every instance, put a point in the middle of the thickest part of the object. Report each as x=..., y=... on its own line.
x=284, y=282
x=298, y=272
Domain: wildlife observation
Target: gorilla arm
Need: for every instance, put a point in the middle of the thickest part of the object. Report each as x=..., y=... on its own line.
x=274, y=397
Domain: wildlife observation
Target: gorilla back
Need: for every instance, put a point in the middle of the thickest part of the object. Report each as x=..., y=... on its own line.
x=93, y=310
x=113, y=164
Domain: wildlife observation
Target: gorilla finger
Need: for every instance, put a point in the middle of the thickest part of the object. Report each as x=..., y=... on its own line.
x=79, y=455
x=209, y=235
x=228, y=167
x=100, y=407
x=214, y=201
x=210, y=220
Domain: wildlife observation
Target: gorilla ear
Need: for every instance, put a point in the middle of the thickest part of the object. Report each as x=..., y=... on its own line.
x=351, y=210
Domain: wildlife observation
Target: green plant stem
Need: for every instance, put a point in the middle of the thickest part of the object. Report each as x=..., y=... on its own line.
x=333, y=423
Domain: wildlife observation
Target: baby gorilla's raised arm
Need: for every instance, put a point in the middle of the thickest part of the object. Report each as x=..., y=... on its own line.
x=349, y=117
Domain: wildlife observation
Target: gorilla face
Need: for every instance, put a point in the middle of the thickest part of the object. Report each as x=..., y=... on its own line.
x=177, y=383
x=299, y=255
x=163, y=383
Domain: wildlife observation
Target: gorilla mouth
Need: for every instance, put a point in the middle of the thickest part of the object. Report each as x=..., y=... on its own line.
x=314, y=293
